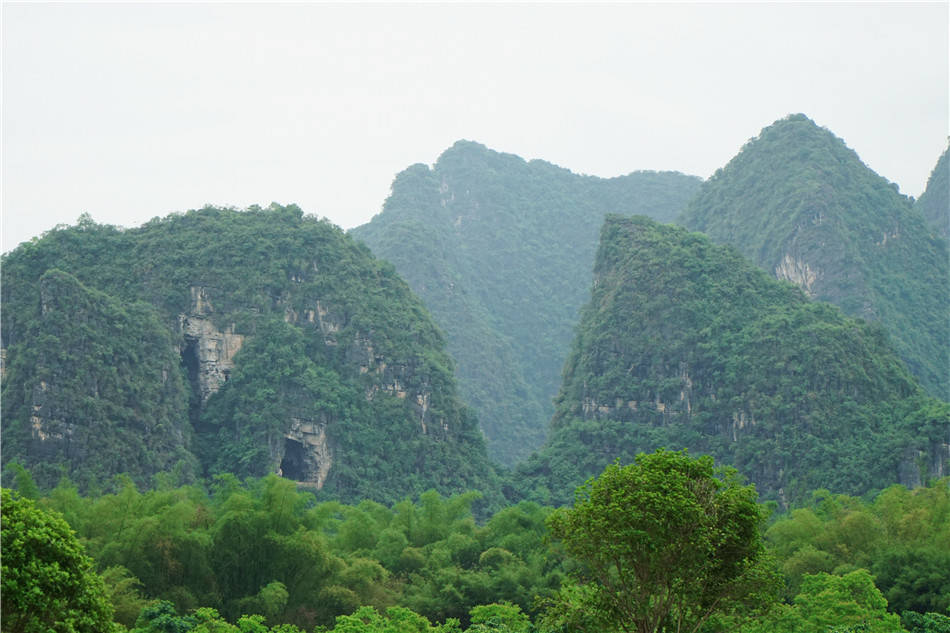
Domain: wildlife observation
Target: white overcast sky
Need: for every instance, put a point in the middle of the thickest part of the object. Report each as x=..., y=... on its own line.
x=129, y=111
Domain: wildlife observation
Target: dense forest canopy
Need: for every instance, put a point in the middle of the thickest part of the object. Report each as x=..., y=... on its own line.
x=801, y=204
x=218, y=341
x=262, y=553
x=500, y=250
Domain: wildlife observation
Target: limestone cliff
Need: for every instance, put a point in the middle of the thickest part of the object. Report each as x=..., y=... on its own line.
x=207, y=353
x=500, y=250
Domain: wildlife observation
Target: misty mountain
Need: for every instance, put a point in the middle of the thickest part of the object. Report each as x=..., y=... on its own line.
x=686, y=344
x=934, y=202
x=801, y=204
x=500, y=250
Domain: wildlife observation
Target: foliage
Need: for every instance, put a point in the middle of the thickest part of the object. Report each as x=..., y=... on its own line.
x=902, y=536
x=829, y=603
x=662, y=545
x=47, y=582
x=925, y=622
x=500, y=250
x=95, y=390
x=934, y=202
x=263, y=547
x=96, y=331
x=162, y=618
x=801, y=204
x=685, y=344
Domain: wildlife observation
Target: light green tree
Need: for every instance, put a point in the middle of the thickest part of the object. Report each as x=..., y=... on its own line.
x=832, y=603
x=661, y=545
x=47, y=583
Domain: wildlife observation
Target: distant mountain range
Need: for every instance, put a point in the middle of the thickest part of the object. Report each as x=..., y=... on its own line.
x=240, y=343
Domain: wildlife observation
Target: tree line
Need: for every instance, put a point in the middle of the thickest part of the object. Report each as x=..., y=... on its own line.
x=667, y=543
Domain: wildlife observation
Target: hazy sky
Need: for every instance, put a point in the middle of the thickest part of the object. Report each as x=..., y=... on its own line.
x=131, y=111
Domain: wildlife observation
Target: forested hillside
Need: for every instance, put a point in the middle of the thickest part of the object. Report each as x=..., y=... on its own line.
x=219, y=341
x=686, y=344
x=801, y=204
x=500, y=250
x=934, y=202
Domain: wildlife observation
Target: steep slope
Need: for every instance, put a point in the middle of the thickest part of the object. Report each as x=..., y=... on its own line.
x=801, y=204
x=688, y=344
x=116, y=403
x=934, y=202
x=500, y=250
x=276, y=341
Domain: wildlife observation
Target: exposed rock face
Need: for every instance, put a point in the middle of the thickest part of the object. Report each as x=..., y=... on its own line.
x=306, y=456
x=208, y=352
x=799, y=272
x=917, y=466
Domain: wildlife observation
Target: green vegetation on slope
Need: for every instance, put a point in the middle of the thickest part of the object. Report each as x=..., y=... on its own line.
x=500, y=250
x=96, y=383
x=934, y=202
x=47, y=582
x=302, y=352
x=685, y=344
x=801, y=204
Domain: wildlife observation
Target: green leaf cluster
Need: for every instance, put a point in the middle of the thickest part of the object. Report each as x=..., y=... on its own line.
x=663, y=544
x=47, y=583
x=902, y=536
x=264, y=547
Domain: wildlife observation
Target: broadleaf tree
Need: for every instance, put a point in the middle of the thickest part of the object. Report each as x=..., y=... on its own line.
x=661, y=545
x=48, y=583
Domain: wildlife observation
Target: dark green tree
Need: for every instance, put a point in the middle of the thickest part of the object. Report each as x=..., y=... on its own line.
x=662, y=545
x=47, y=583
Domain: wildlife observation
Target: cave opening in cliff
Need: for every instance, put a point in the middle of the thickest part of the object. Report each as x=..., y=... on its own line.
x=190, y=363
x=293, y=465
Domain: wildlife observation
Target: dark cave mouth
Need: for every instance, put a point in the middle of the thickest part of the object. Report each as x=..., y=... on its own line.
x=293, y=465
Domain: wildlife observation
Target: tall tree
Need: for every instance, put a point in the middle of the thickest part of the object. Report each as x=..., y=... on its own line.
x=662, y=545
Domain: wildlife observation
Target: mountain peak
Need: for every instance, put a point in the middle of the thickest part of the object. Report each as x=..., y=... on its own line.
x=803, y=206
